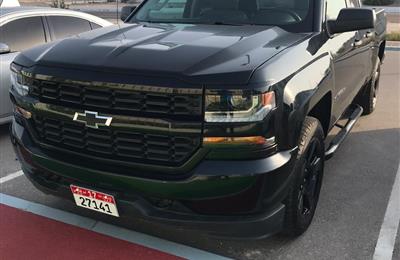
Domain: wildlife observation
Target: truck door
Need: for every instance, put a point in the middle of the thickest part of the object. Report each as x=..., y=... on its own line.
x=348, y=61
x=363, y=46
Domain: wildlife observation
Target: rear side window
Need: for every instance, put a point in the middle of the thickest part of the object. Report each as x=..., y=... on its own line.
x=23, y=33
x=64, y=26
x=333, y=8
x=94, y=26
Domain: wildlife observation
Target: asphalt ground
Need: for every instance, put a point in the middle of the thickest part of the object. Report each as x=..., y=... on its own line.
x=357, y=186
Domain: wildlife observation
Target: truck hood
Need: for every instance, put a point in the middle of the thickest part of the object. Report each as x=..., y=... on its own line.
x=204, y=54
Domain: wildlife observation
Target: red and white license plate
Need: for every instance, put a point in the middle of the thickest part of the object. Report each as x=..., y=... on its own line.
x=94, y=200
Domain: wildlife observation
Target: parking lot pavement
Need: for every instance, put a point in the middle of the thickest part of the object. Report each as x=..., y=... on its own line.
x=357, y=185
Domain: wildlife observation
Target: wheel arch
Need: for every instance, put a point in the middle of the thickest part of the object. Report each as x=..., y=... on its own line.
x=323, y=111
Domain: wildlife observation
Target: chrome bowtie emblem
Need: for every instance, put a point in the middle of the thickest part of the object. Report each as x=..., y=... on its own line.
x=92, y=119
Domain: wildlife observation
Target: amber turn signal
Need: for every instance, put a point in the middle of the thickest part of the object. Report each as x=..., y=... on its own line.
x=235, y=140
x=26, y=114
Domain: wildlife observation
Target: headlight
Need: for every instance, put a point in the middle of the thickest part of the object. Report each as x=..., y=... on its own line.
x=18, y=82
x=239, y=107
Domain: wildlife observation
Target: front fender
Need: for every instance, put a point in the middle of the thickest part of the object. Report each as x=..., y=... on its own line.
x=302, y=92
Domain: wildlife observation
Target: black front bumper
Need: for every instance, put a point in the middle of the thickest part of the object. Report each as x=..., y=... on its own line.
x=274, y=171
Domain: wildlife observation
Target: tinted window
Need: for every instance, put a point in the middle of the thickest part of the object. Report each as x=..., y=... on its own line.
x=298, y=8
x=23, y=34
x=334, y=7
x=166, y=9
x=294, y=15
x=64, y=26
x=95, y=26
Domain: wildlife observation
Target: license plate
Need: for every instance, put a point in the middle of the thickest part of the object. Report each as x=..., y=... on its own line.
x=94, y=200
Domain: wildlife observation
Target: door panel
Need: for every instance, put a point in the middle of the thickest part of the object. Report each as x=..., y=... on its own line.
x=347, y=69
x=350, y=54
x=362, y=50
x=363, y=45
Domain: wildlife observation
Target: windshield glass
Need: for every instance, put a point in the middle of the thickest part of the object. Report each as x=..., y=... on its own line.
x=294, y=15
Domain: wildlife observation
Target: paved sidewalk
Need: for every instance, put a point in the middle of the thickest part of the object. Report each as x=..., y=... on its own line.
x=48, y=233
x=28, y=236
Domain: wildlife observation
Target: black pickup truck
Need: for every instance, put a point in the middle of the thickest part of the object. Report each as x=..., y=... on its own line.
x=210, y=115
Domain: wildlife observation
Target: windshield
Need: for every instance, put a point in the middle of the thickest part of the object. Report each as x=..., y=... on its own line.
x=294, y=15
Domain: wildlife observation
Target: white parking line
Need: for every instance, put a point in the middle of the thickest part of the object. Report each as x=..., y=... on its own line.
x=10, y=177
x=387, y=236
x=392, y=48
x=109, y=230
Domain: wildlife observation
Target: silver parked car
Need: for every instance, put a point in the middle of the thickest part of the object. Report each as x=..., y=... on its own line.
x=22, y=28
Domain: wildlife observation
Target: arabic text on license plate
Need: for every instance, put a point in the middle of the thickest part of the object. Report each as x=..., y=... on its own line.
x=94, y=200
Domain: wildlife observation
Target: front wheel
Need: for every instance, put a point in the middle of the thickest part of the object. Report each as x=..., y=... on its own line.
x=303, y=196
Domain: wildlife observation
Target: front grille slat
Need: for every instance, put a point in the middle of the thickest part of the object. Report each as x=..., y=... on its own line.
x=116, y=101
x=115, y=144
x=120, y=144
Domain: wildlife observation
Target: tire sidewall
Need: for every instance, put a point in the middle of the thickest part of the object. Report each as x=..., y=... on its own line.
x=296, y=223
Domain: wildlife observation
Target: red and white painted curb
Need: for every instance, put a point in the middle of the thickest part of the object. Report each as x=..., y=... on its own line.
x=34, y=231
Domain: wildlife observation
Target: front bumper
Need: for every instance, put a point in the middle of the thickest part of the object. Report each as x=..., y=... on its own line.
x=260, y=183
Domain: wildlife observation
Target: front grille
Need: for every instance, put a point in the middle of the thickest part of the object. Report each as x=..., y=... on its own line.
x=115, y=144
x=119, y=99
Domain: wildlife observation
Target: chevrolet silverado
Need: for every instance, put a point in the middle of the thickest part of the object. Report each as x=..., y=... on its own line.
x=211, y=115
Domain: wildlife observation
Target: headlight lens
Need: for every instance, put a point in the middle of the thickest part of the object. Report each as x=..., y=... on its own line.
x=18, y=83
x=239, y=107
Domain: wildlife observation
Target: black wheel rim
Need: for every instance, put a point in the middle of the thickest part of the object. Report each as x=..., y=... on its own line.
x=309, y=189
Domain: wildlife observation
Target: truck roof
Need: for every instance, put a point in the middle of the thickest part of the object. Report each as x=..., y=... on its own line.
x=16, y=9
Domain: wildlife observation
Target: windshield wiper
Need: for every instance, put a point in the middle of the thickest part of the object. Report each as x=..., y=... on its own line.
x=227, y=23
x=193, y=22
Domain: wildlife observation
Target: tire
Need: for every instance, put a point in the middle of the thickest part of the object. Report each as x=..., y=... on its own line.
x=303, y=195
x=368, y=98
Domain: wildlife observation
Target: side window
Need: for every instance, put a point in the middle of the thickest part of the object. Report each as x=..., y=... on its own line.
x=333, y=8
x=23, y=33
x=94, y=26
x=65, y=26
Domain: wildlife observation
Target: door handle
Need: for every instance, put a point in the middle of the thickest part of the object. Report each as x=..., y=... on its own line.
x=369, y=34
x=358, y=43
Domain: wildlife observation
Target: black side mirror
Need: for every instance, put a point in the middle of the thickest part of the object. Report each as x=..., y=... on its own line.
x=126, y=11
x=352, y=19
x=4, y=48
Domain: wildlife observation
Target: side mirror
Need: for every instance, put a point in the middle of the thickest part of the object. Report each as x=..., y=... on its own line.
x=4, y=48
x=352, y=19
x=126, y=11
